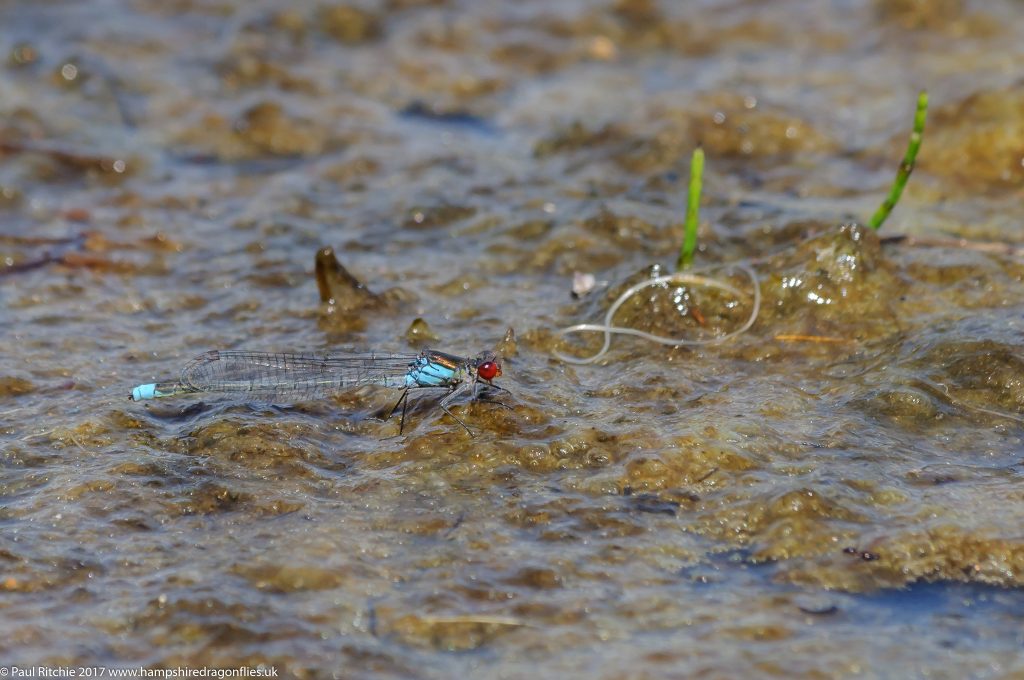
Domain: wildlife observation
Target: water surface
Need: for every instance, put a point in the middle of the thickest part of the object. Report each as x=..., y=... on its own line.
x=836, y=493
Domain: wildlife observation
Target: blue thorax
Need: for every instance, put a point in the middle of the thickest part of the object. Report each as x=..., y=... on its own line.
x=435, y=369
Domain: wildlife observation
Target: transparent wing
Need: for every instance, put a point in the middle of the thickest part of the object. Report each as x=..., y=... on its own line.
x=271, y=374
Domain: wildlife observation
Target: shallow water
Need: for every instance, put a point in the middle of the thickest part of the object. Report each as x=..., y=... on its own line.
x=838, y=492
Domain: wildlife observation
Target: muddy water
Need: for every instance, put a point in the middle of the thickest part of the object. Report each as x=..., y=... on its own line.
x=837, y=492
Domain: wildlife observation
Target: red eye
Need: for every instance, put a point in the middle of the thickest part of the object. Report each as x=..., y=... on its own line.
x=489, y=370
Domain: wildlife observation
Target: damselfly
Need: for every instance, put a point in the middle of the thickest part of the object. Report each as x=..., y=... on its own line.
x=270, y=376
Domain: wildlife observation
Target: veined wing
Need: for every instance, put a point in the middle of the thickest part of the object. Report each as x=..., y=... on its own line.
x=268, y=374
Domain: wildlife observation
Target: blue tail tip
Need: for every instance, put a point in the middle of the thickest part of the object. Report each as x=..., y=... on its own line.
x=144, y=392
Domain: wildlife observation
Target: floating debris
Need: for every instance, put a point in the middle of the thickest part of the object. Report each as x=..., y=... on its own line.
x=338, y=288
x=419, y=332
x=690, y=279
x=508, y=347
x=582, y=284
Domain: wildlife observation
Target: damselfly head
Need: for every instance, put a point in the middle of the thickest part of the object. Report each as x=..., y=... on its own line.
x=488, y=366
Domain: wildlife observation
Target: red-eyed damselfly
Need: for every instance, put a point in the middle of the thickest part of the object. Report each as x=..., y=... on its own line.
x=274, y=376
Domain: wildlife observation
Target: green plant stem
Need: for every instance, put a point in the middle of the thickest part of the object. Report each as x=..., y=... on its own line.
x=692, y=211
x=906, y=167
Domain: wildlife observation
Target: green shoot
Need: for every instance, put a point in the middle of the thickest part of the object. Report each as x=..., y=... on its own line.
x=692, y=211
x=906, y=167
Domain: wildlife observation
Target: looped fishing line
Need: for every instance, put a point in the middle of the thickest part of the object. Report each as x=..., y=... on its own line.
x=690, y=279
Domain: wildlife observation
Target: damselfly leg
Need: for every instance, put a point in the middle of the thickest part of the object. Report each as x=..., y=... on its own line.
x=403, y=401
x=451, y=396
x=484, y=384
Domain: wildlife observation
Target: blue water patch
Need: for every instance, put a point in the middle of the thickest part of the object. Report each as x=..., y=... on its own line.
x=960, y=600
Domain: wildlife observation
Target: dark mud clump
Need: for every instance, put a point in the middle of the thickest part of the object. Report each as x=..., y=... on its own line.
x=345, y=301
x=351, y=24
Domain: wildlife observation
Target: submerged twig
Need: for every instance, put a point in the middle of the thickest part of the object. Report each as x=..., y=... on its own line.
x=678, y=278
x=67, y=245
x=981, y=409
x=796, y=337
x=482, y=619
x=706, y=476
x=77, y=443
x=991, y=247
x=906, y=167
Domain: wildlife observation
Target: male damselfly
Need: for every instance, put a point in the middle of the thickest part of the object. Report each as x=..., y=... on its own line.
x=270, y=376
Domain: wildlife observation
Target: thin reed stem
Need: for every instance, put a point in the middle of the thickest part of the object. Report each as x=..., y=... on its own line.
x=906, y=167
x=692, y=211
